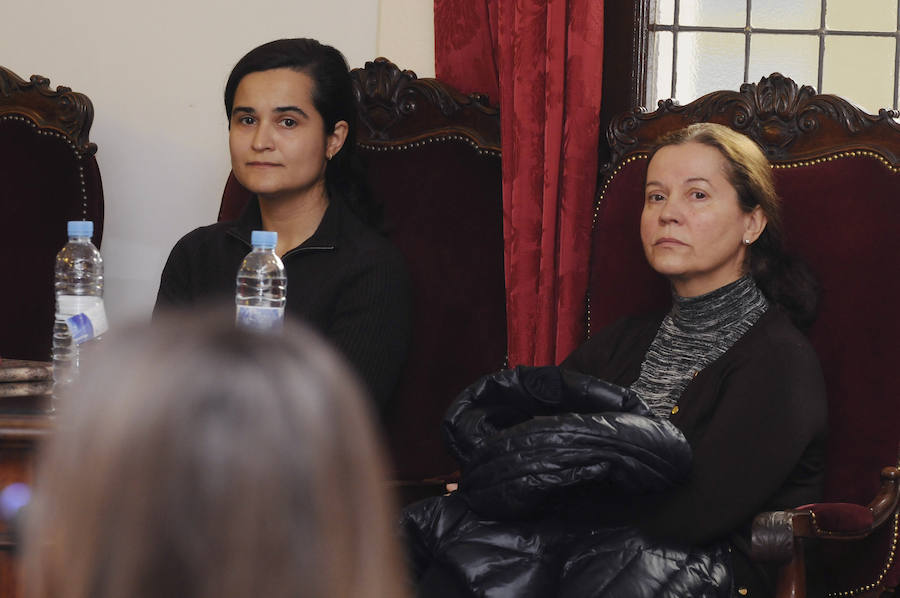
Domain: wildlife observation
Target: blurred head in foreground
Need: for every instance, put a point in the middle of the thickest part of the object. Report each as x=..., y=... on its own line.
x=201, y=461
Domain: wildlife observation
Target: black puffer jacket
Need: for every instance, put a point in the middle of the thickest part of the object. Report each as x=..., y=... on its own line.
x=541, y=452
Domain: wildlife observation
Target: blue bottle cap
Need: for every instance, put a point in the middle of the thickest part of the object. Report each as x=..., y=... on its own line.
x=264, y=238
x=80, y=228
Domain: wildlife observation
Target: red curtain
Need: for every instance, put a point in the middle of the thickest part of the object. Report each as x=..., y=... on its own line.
x=544, y=59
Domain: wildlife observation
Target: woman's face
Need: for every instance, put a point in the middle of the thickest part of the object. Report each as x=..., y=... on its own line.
x=279, y=147
x=692, y=227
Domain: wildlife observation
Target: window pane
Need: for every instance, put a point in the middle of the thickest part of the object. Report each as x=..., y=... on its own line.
x=860, y=69
x=665, y=12
x=659, y=81
x=778, y=14
x=871, y=15
x=708, y=62
x=795, y=56
x=713, y=13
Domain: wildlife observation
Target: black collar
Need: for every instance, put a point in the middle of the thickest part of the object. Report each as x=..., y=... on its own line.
x=324, y=238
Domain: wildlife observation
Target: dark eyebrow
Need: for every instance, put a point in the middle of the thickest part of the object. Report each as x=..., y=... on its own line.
x=292, y=109
x=279, y=110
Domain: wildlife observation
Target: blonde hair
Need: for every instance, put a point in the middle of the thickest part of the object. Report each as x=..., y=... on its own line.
x=201, y=461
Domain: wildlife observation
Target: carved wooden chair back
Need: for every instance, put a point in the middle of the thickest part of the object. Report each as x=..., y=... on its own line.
x=48, y=176
x=433, y=163
x=836, y=171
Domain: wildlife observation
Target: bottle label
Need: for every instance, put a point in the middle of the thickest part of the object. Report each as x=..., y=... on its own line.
x=85, y=315
x=80, y=328
x=256, y=317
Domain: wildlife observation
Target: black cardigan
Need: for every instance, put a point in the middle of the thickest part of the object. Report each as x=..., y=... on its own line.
x=346, y=280
x=755, y=419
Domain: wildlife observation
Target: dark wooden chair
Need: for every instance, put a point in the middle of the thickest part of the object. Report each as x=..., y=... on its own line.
x=433, y=163
x=48, y=176
x=836, y=170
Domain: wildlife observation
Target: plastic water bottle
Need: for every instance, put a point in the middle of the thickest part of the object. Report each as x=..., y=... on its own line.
x=261, y=285
x=80, y=314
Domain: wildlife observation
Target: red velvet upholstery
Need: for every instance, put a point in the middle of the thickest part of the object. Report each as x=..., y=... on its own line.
x=433, y=161
x=841, y=517
x=442, y=206
x=48, y=176
x=837, y=173
x=621, y=280
x=234, y=198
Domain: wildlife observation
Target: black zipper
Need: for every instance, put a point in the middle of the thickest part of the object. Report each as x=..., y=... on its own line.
x=293, y=251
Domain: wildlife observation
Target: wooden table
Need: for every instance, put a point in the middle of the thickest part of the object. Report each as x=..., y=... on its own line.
x=23, y=423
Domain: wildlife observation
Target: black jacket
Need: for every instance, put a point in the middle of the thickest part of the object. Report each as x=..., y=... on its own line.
x=346, y=280
x=542, y=452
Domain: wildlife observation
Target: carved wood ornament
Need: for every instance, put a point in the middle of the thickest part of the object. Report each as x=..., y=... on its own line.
x=790, y=123
x=64, y=111
x=396, y=107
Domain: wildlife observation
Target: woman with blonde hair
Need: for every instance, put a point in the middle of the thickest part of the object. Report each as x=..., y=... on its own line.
x=637, y=466
x=201, y=461
x=728, y=364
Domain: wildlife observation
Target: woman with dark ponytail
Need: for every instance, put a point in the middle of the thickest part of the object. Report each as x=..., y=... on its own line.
x=727, y=365
x=292, y=131
x=332, y=96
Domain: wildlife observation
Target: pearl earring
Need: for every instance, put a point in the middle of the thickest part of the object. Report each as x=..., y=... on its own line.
x=746, y=241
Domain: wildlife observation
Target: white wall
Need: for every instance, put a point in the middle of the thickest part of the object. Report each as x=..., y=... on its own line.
x=155, y=72
x=406, y=34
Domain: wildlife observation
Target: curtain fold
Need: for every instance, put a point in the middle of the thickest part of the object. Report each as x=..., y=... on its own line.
x=544, y=57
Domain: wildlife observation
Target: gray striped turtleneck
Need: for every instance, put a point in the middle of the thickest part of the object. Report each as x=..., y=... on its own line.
x=696, y=332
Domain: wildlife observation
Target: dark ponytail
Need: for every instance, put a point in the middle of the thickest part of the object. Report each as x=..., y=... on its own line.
x=785, y=279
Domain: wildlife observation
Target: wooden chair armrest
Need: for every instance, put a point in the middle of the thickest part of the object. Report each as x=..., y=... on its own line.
x=773, y=533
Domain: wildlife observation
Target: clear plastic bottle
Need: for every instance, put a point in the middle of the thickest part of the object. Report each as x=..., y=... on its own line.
x=261, y=285
x=80, y=313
